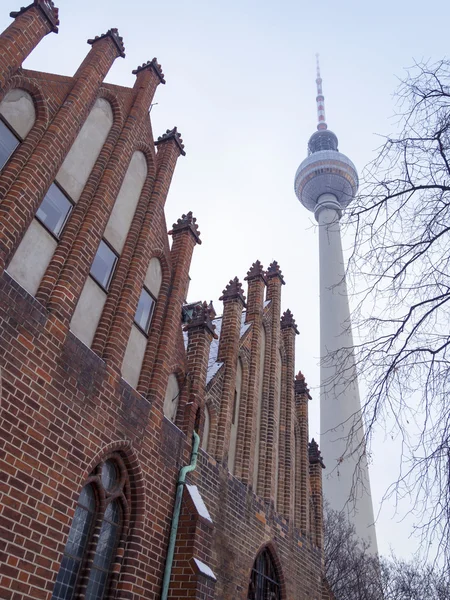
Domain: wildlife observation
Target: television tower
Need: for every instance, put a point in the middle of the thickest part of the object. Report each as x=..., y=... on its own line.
x=325, y=183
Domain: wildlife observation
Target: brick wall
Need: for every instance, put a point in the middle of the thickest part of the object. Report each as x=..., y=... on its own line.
x=65, y=408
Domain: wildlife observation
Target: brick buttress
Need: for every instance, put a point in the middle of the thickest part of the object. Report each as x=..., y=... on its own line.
x=23, y=198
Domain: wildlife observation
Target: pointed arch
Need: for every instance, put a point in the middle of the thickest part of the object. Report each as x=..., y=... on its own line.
x=266, y=581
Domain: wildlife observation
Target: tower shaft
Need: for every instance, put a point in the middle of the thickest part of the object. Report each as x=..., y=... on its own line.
x=346, y=482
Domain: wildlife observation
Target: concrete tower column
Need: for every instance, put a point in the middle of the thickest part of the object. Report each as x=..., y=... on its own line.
x=346, y=479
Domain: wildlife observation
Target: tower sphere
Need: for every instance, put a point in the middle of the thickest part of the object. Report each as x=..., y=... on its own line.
x=325, y=171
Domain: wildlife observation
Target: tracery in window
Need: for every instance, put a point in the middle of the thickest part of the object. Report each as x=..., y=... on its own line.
x=88, y=557
x=264, y=580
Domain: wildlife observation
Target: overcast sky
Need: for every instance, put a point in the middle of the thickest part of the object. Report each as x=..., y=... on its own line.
x=241, y=89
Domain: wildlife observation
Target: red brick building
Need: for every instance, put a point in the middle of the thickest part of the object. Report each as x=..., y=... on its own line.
x=110, y=380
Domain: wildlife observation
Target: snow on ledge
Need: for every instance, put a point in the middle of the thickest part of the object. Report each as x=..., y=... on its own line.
x=204, y=569
x=200, y=506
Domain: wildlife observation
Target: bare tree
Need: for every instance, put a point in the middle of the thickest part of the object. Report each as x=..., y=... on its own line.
x=401, y=262
x=355, y=574
x=351, y=570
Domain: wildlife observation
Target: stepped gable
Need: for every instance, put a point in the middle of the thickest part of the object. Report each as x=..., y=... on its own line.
x=255, y=271
x=172, y=134
x=201, y=317
x=187, y=222
x=114, y=35
x=47, y=7
x=301, y=386
x=151, y=64
x=314, y=453
x=275, y=271
x=233, y=290
x=288, y=321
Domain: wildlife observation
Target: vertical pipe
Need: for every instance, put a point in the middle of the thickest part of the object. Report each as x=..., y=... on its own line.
x=176, y=514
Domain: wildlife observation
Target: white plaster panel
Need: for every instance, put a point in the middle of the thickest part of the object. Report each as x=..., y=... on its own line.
x=127, y=199
x=262, y=360
x=80, y=160
x=88, y=312
x=153, y=277
x=17, y=107
x=31, y=259
x=172, y=398
x=235, y=425
x=134, y=355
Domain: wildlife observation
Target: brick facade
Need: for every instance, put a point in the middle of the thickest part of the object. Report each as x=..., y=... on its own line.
x=66, y=411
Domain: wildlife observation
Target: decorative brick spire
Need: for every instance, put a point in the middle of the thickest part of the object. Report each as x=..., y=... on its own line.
x=288, y=321
x=172, y=134
x=202, y=317
x=301, y=387
x=187, y=222
x=314, y=454
x=255, y=271
x=151, y=64
x=275, y=271
x=114, y=35
x=47, y=8
x=233, y=290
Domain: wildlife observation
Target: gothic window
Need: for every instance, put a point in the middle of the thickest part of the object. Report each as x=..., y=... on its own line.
x=264, y=581
x=94, y=534
x=8, y=143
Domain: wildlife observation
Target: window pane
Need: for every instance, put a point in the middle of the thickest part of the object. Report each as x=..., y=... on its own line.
x=54, y=210
x=109, y=475
x=8, y=143
x=104, y=552
x=75, y=546
x=103, y=265
x=144, y=311
x=65, y=582
x=96, y=585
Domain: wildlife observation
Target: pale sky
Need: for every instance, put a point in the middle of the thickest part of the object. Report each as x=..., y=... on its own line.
x=241, y=89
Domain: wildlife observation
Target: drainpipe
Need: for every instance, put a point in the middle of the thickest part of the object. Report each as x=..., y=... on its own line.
x=176, y=513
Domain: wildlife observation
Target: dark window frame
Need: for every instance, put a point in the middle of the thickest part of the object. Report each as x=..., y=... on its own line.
x=72, y=206
x=264, y=579
x=145, y=332
x=113, y=270
x=15, y=134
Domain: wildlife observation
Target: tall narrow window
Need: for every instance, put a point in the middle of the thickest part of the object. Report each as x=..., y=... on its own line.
x=104, y=264
x=76, y=545
x=54, y=210
x=264, y=581
x=94, y=535
x=8, y=143
x=144, y=311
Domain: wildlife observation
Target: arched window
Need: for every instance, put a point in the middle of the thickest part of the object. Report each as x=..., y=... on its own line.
x=17, y=110
x=264, y=581
x=88, y=558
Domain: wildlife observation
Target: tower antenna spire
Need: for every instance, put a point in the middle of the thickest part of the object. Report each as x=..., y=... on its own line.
x=321, y=124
